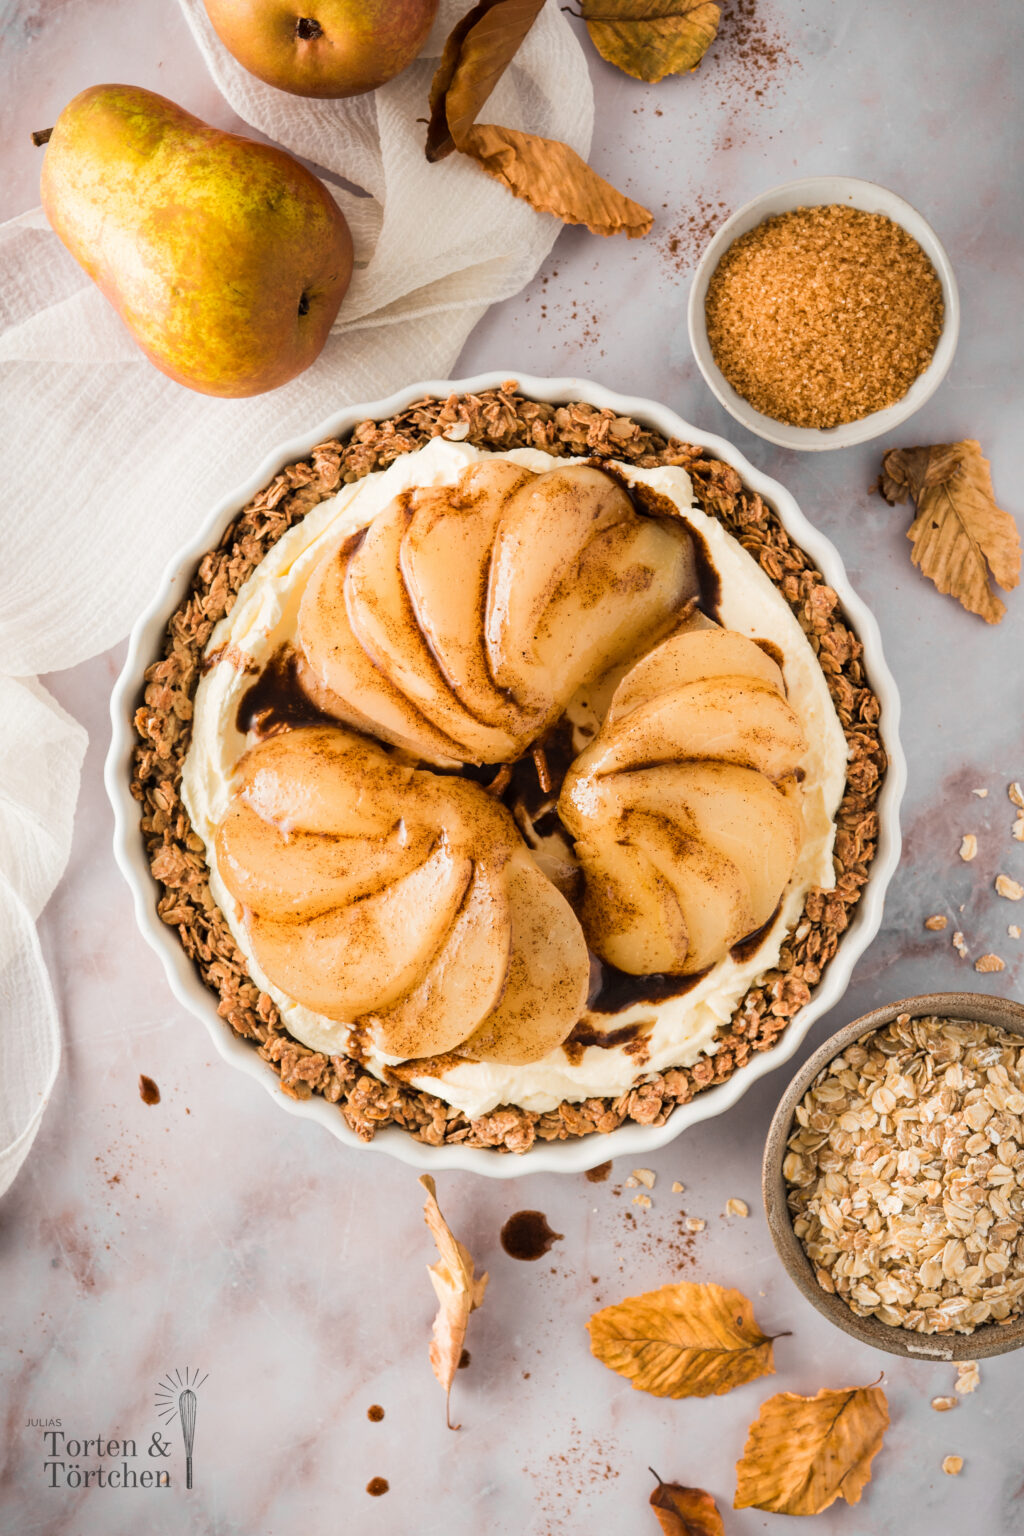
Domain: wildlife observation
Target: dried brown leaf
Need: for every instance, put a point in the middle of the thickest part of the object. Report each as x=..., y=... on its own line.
x=684, y=1340
x=477, y=53
x=960, y=537
x=458, y=1290
x=685, y=1511
x=650, y=39
x=544, y=172
x=553, y=179
x=803, y=1453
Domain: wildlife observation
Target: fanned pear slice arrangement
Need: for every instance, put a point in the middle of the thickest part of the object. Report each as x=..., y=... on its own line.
x=399, y=901
x=461, y=622
x=683, y=807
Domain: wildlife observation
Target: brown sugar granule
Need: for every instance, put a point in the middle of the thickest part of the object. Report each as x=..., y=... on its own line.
x=377, y=1485
x=823, y=315
x=149, y=1093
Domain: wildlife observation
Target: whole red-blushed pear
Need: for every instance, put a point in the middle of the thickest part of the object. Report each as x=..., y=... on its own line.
x=325, y=47
x=226, y=259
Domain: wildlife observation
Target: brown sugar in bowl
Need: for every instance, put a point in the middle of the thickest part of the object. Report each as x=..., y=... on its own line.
x=848, y=193
x=986, y=1339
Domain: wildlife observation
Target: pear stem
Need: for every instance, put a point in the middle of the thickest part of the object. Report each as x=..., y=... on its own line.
x=41, y=137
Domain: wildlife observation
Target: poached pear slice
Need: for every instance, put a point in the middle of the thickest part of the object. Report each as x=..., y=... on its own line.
x=386, y=625
x=711, y=890
x=548, y=974
x=451, y=530
x=688, y=656
x=544, y=530
x=323, y=779
x=463, y=982
x=627, y=585
x=630, y=913
x=342, y=679
x=289, y=877
x=360, y=958
x=728, y=719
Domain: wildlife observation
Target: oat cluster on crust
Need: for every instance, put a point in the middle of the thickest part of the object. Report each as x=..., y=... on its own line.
x=498, y=420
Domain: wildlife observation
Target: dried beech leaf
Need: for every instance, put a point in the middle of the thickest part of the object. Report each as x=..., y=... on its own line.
x=553, y=179
x=803, y=1453
x=650, y=39
x=683, y=1340
x=459, y=1292
x=960, y=537
x=686, y=1511
x=476, y=55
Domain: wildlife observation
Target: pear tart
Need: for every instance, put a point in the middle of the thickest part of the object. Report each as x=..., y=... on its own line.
x=500, y=797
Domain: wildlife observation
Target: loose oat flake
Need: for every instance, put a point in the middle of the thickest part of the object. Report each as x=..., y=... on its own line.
x=677, y=1188
x=982, y=794
x=936, y=923
x=1016, y=794
x=953, y=1465
x=987, y=963
x=645, y=1176
x=944, y=1404
x=1011, y=889
x=968, y=847
x=643, y=1201
x=906, y=1175
x=736, y=1207
x=959, y=945
x=968, y=1377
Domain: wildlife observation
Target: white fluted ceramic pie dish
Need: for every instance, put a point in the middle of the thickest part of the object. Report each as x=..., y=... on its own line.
x=575, y=1155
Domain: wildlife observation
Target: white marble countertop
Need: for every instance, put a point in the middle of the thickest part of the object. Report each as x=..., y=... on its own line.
x=214, y=1233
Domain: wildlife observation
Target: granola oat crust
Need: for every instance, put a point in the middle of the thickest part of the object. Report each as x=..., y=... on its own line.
x=498, y=420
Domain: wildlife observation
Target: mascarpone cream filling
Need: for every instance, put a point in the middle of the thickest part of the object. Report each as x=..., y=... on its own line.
x=265, y=616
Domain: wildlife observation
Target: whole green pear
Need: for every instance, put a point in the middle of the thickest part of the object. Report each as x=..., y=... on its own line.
x=323, y=47
x=226, y=259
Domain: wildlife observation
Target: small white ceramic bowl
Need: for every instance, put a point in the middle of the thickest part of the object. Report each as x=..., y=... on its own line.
x=564, y=1156
x=812, y=192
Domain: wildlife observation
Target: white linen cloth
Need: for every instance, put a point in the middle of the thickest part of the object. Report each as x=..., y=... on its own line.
x=109, y=466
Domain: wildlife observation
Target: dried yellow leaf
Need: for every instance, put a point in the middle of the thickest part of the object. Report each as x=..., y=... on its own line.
x=803, y=1453
x=684, y=1340
x=960, y=537
x=459, y=1292
x=650, y=39
x=685, y=1511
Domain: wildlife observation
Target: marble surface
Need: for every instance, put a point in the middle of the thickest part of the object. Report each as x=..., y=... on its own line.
x=213, y=1232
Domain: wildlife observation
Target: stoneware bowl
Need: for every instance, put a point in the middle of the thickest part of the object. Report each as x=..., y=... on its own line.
x=990, y=1338
x=565, y=1156
x=812, y=192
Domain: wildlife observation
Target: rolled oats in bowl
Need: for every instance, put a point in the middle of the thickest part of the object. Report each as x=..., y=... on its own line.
x=904, y=1174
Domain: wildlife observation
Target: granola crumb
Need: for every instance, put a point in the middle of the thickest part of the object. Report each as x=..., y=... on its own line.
x=695, y=1224
x=944, y=1404
x=987, y=963
x=643, y=1201
x=736, y=1207
x=981, y=793
x=936, y=923
x=645, y=1176
x=1010, y=888
x=968, y=1377
x=631, y=1182
x=677, y=1188
x=1014, y=930
x=960, y=945
x=953, y=1465
x=968, y=847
